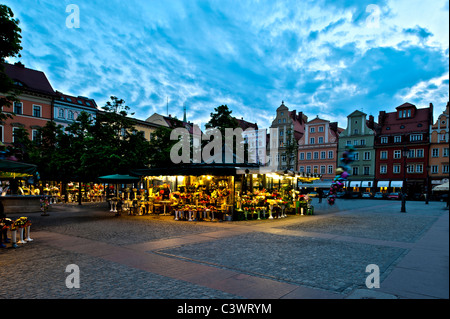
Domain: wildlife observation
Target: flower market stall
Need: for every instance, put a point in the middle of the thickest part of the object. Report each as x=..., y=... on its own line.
x=221, y=192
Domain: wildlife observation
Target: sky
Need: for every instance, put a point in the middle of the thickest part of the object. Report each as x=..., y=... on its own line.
x=323, y=58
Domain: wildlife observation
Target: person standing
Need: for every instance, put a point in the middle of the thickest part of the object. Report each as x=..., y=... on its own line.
x=320, y=191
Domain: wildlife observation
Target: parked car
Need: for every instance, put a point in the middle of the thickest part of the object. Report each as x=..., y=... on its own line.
x=313, y=194
x=354, y=195
x=340, y=194
x=378, y=195
x=366, y=195
x=394, y=196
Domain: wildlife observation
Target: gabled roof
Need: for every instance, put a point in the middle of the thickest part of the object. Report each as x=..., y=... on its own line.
x=29, y=79
x=243, y=124
x=80, y=100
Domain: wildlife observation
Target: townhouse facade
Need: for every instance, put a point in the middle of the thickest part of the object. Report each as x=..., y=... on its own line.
x=402, y=145
x=318, y=150
x=66, y=108
x=34, y=106
x=439, y=150
x=289, y=126
x=359, y=134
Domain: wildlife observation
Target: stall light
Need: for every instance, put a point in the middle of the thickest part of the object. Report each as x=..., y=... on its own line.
x=208, y=177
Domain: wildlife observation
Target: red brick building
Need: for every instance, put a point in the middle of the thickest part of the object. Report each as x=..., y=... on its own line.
x=406, y=128
x=34, y=108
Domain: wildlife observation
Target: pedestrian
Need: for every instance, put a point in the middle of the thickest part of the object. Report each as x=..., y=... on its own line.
x=3, y=228
x=320, y=191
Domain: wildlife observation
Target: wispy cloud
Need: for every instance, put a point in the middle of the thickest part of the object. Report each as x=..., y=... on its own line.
x=324, y=58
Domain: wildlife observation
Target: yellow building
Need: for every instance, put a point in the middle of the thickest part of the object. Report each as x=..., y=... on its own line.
x=439, y=153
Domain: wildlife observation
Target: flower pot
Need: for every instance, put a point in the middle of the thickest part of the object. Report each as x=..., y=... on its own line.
x=28, y=234
x=21, y=241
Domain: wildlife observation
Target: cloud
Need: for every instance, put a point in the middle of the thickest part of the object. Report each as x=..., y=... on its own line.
x=320, y=57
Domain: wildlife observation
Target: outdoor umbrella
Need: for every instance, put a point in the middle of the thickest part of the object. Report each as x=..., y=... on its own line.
x=16, y=167
x=119, y=179
x=442, y=187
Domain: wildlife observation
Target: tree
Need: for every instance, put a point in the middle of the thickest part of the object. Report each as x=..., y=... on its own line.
x=10, y=46
x=222, y=119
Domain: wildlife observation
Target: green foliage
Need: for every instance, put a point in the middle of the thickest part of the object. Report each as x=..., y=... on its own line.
x=10, y=46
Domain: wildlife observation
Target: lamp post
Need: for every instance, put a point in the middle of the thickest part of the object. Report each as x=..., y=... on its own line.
x=427, y=187
x=405, y=152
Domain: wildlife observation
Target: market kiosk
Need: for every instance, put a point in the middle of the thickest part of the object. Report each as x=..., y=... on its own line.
x=220, y=192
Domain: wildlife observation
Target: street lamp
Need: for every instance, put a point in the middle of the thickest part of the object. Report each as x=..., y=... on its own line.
x=405, y=152
x=427, y=187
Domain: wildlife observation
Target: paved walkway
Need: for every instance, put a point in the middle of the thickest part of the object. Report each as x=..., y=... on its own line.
x=311, y=257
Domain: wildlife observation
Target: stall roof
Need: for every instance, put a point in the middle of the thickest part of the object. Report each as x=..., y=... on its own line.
x=16, y=167
x=193, y=170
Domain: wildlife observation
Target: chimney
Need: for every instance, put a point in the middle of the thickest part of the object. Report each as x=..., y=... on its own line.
x=371, y=122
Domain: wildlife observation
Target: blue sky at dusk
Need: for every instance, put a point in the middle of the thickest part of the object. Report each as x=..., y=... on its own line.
x=325, y=58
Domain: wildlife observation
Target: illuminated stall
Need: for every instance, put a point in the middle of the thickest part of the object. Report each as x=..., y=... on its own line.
x=219, y=192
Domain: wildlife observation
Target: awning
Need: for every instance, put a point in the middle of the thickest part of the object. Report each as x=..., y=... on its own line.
x=355, y=183
x=396, y=183
x=383, y=184
x=366, y=183
x=16, y=167
x=442, y=187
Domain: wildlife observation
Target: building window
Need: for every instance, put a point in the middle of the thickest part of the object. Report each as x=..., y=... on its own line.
x=348, y=142
x=320, y=128
x=367, y=156
x=355, y=131
x=355, y=170
x=302, y=169
x=312, y=129
x=419, y=168
x=323, y=155
x=36, y=110
x=281, y=133
x=18, y=108
x=35, y=136
x=366, y=170
x=355, y=142
x=311, y=140
x=308, y=169
x=330, y=154
x=397, y=169
x=320, y=140
x=410, y=169
x=283, y=158
x=14, y=133
x=302, y=156
x=316, y=169
x=383, y=169
x=412, y=153
x=356, y=156
x=384, y=139
x=363, y=142
x=419, y=152
x=445, y=152
x=308, y=156
x=322, y=169
x=415, y=137
x=435, y=152
x=445, y=168
x=397, y=154
x=330, y=169
x=316, y=155
x=383, y=155
x=61, y=113
x=397, y=139
x=434, y=169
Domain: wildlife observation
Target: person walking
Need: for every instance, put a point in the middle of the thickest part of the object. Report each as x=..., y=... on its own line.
x=320, y=191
